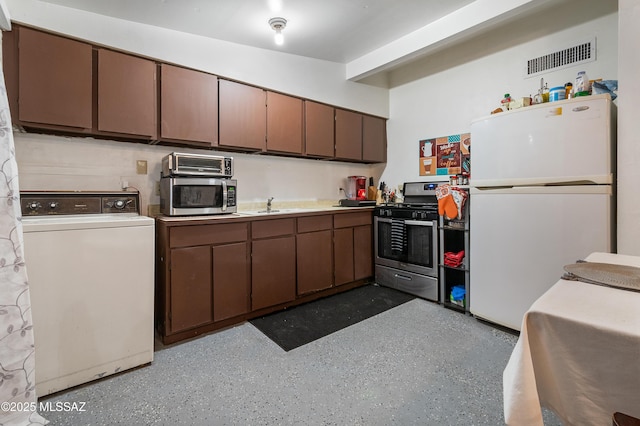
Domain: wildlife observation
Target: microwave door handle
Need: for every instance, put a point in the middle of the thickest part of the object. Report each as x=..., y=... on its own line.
x=224, y=195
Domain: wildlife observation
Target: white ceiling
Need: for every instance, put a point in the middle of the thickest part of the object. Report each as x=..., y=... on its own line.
x=334, y=30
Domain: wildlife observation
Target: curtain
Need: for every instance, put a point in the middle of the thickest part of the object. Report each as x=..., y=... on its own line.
x=18, y=401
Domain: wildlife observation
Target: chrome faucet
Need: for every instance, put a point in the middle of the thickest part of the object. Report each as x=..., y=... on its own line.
x=269, y=200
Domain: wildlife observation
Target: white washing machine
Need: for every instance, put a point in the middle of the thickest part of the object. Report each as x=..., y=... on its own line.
x=90, y=265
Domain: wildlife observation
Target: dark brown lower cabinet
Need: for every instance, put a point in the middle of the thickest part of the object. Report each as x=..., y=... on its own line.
x=314, y=253
x=191, y=295
x=362, y=252
x=343, y=255
x=273, y=271
x=352, y=247
x=231, y=283
x=314, y=261
x=220, y=272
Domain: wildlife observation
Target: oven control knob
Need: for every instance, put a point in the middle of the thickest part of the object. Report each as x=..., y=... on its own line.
x=414, y=215
x=53, y=205
x=33, y=206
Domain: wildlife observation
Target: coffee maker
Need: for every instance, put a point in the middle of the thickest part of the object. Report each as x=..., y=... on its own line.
x=356, y=192
x=356, y=188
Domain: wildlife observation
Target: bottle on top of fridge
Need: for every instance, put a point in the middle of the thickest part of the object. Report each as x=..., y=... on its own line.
x=582, y=84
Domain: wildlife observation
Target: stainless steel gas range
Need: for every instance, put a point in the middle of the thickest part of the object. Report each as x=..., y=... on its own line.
x=406, y=242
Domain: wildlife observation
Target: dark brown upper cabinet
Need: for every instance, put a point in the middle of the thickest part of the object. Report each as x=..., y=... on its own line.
x=284, y=123
x=54, y=81
x=319, y=130
x=374, y=139
x=127, y=95
x=61, y=85
x=348, y=135
x=188, y=106
x=242, y=116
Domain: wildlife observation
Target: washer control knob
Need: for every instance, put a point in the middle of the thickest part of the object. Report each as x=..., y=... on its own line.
x=121, y=203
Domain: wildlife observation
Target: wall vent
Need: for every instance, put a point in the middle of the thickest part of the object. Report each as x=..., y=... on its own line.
x=574, y=55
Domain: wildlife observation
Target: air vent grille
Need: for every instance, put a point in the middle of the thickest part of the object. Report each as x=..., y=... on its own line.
x=578, y=54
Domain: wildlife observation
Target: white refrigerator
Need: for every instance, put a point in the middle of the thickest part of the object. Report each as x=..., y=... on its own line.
x=542, y=196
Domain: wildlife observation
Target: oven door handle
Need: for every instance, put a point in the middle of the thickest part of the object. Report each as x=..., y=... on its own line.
x=419, y=222
x=224, y=194
x=409, y=222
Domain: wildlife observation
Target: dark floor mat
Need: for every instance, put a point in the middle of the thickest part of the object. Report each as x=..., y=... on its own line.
x=303, y=324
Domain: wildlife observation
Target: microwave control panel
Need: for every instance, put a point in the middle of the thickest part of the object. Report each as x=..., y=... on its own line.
x=231, y=195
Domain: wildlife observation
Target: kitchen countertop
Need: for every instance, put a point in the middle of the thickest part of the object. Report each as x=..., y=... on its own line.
x=260, y=214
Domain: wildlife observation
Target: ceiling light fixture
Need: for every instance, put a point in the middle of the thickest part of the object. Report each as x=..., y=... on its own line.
x=278, y=24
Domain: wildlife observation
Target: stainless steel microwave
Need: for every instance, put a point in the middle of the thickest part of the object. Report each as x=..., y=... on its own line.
x=192, y=196
x=179, y=164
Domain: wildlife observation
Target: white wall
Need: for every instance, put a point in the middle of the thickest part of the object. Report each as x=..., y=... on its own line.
x=441, y=95
x=629, y=128
x=57, y=163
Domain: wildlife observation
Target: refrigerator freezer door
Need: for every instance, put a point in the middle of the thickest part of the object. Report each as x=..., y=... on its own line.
x=522, y=238
x=558, y=142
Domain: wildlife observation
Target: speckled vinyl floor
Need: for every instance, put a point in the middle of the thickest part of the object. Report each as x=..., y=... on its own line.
x=416, y=364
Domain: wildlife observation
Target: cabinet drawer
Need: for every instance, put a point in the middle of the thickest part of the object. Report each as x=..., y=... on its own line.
x=346, y=220
x=185, y=236
x=314, y=223
x=272, y=228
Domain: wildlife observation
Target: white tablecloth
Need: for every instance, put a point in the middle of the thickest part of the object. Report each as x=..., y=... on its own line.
x=578, y=354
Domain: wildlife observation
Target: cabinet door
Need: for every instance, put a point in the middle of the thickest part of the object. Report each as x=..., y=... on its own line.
x=191, y=298
x=188, y=106
x=343, y=255
x=273, y=271
x=242, y=116
x=127, y=100
x=314, y=261
x=348, y=135
x=374, y=139
x=284, y=123
x=362, y=252
x=319, y=129
x=55, y=80
x=231, y=285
